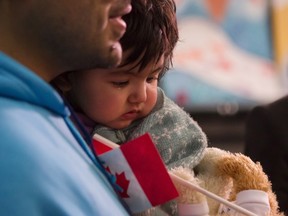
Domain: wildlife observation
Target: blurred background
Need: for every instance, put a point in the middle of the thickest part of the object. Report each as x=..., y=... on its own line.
x=232, y=55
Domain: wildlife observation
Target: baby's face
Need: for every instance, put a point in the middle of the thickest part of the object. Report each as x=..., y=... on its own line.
x=117, y=97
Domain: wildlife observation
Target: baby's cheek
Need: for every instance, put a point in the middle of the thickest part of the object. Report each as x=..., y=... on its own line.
x=152, y=98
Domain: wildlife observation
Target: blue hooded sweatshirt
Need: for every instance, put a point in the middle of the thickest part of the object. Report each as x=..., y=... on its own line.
x=46, y=167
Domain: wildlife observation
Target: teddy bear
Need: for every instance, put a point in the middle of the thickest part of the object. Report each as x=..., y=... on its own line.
x=231, y=176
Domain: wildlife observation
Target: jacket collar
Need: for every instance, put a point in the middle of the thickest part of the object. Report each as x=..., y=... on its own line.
x=20, y=83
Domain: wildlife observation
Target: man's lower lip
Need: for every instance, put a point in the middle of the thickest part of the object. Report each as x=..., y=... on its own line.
x=115, y=46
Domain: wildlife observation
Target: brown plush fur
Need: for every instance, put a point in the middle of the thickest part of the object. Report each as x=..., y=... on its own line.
x=211, y=179
x=247, y=175
x=226, y=174
x=187, y=196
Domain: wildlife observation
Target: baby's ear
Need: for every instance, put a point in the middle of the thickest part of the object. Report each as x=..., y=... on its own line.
x=62, y=82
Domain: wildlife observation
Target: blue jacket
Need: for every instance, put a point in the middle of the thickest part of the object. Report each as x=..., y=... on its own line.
x=46, y=167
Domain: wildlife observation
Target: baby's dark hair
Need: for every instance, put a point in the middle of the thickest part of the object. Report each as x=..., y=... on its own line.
x=151, y=32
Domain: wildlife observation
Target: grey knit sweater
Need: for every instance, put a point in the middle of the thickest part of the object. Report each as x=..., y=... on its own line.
x=178, y=138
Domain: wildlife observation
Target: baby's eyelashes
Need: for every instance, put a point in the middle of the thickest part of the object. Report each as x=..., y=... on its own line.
x=120, y=84
x=151, y=79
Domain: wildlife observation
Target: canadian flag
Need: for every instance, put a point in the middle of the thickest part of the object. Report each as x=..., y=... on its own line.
x=139, y=170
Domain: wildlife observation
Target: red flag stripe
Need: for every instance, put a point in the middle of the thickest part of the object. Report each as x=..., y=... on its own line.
x=152, y=173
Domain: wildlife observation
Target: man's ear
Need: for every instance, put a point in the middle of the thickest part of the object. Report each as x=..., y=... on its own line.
x=62, y=83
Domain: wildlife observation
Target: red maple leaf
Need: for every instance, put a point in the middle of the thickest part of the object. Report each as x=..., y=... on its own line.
x=108, y=169
x=123, y=182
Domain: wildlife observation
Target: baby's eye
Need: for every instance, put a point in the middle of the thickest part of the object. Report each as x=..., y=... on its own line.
x=120, y=84
x=151, y=79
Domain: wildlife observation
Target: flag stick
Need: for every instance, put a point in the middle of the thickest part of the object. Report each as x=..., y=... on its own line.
x=105, y=141
x=211, y=195
x=186, y=183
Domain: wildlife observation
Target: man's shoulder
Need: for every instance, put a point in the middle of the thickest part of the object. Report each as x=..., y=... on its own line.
x=281, y=102
x=42, y=162
x=274, y=111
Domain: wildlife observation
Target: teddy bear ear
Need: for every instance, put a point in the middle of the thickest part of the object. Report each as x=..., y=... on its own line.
x=245, y=173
